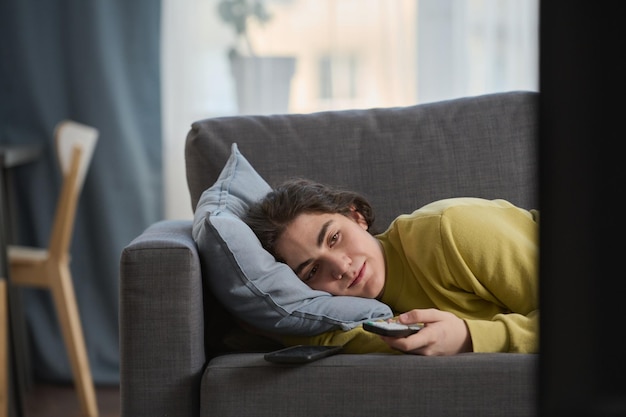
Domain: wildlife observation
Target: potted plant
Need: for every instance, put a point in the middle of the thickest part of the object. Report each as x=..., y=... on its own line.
x=262, y=82
x=237, y=13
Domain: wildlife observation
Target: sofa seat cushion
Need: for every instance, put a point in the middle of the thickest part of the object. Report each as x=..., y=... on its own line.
x=473, y=384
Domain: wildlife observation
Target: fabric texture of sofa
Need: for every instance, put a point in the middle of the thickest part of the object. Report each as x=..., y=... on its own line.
x=181, y=352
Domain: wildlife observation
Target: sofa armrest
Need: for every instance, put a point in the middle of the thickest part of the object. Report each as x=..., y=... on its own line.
x=161, y=322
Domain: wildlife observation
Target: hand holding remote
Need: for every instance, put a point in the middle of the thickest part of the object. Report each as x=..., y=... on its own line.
x=443, y=333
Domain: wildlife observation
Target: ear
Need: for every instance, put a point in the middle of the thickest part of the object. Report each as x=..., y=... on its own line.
x=358, y=218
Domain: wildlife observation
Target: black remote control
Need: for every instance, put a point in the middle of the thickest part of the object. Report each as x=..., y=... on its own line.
x=391, y=328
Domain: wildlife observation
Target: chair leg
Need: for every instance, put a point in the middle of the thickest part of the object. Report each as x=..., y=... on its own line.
x=67, y=310
x=4, y=347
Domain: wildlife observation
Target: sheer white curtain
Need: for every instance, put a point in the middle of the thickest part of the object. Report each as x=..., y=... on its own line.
x=345, y=54
x=471, y=47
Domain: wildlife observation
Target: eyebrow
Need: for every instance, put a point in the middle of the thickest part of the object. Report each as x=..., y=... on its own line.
x=320, y=240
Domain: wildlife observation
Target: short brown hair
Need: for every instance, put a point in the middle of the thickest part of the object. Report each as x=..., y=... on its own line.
x=269, y=217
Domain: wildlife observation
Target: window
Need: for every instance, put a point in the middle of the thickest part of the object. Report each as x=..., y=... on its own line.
x=344, y=54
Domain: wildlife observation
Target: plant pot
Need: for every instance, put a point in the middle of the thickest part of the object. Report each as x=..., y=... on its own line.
x=263, y=83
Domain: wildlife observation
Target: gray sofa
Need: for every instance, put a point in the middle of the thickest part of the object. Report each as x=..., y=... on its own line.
x=183, y=355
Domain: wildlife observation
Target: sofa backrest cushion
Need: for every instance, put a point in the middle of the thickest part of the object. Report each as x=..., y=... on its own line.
x=247, y=280
x=399, y=158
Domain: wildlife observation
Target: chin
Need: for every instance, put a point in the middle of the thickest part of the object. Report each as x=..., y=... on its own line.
x=367, y=294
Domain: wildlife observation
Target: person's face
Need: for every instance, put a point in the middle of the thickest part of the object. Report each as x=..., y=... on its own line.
x=334, y=253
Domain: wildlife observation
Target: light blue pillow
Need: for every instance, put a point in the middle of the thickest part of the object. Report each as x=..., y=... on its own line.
x=247, y=280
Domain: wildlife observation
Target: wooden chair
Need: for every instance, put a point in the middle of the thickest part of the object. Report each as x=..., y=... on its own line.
x=50, y=267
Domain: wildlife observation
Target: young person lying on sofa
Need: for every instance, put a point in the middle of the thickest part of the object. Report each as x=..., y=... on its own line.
x=467, y=268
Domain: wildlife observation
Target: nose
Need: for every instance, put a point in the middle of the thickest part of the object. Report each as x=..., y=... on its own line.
x=339, y=264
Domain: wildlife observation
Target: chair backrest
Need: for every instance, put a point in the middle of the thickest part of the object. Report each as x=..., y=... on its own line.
x=70, y=135
x=75, y=144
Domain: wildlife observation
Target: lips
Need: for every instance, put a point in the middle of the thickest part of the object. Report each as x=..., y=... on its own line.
x=359, y=277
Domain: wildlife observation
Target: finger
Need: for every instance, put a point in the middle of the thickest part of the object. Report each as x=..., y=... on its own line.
x=407, y=344
x=420, y=316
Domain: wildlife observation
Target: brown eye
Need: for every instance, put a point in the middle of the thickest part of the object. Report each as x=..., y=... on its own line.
x=311, y=274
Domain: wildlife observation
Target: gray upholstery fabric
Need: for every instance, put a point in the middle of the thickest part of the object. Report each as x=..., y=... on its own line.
x=401, y=158
x=372, y=385
x=161, y=323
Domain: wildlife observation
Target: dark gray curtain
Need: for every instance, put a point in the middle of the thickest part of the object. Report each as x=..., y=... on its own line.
x=95, y=62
